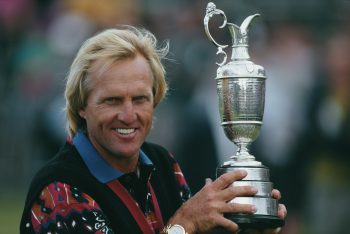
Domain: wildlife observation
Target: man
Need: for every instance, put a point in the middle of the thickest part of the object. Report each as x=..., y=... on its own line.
x=107, y=179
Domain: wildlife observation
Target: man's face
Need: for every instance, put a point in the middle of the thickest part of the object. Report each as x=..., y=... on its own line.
x=119, y=108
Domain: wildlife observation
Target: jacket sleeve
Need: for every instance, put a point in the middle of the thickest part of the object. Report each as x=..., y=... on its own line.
x=61, y=208
x=185, y=191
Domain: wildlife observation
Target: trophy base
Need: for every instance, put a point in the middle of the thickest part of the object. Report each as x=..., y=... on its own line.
x=267, y=207
x=258, y=222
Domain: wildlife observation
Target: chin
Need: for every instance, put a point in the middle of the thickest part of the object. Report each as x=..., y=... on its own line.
x=127, y=152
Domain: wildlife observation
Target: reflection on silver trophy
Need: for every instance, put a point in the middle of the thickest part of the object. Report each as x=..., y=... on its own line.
x=241, y=94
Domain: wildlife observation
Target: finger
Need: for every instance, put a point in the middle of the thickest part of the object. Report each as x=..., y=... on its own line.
x=282, y=211
x=276, y=194
x=228, y=225
x=228, y=178
x=237, y=191
x=233, y=207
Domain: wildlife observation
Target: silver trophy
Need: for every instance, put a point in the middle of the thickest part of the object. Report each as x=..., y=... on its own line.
x=241, y=93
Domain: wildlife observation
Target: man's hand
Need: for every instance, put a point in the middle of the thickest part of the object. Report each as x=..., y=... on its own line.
x=205, y=210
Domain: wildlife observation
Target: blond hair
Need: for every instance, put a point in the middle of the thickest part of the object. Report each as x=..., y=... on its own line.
x=111, y=45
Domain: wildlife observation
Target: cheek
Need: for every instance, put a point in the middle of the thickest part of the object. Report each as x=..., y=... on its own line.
x=101, y=116
x=148, y=116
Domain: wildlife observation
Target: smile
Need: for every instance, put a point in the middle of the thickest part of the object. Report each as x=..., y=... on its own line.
x=125, y=131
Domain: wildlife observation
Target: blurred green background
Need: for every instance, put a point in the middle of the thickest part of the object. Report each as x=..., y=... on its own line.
x=11, y=204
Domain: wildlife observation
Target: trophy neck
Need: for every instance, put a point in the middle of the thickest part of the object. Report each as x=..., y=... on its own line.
x=237, y=160
x=239, y=43
x=240, y=52
x=242, y=157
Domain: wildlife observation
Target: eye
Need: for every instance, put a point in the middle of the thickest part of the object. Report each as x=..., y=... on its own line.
x=112, y=100
x=140, y=99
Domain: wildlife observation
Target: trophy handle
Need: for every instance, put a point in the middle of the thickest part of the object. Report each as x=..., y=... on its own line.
x=210, y=12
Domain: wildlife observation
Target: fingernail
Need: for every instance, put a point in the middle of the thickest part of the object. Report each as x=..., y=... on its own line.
x=253, y=209
x=254, y=190
x=243, y=172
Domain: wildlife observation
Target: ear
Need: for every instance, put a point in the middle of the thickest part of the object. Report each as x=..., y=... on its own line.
x=82, y=113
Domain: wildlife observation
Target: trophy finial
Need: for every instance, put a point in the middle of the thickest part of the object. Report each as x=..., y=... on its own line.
x=211, y=7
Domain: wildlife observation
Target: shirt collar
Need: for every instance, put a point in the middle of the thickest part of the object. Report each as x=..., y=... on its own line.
x=98, y=167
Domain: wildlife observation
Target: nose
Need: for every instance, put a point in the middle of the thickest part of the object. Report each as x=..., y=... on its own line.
x=127, y=113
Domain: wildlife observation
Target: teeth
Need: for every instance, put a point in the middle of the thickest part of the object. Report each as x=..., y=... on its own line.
x=125, y=131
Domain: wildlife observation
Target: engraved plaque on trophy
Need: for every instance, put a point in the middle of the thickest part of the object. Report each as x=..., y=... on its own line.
x=241, y=94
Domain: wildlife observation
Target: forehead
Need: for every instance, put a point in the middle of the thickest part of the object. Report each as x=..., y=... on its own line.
x=128, y=70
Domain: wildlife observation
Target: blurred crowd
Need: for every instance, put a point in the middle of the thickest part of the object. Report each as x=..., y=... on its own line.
x=303, y=45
